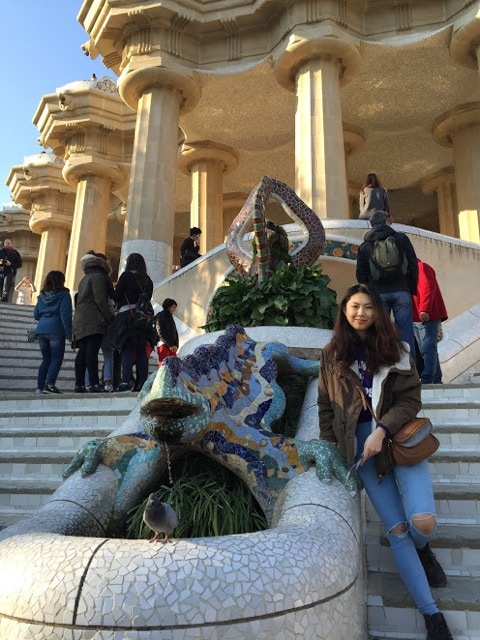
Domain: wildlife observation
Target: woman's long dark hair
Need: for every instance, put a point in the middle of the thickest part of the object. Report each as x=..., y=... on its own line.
x=382, y=347
x=53, y=280
x=136, y=262
x=371, y=181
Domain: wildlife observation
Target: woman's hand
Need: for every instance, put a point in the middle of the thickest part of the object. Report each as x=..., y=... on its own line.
x=373, y=444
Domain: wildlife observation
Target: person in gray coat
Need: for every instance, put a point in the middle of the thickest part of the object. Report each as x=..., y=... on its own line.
x=92, y=317
x=373, y=197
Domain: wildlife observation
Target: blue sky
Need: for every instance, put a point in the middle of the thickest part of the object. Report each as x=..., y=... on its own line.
x=40, y=50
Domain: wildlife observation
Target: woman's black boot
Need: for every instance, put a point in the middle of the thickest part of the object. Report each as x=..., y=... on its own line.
x=437, y=627
x=433, y=570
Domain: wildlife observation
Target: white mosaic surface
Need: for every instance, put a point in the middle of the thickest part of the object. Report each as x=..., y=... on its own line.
x=283, y=582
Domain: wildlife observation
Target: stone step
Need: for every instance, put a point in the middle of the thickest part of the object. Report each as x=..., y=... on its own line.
x=454, y=393
x=391, y=610
x=35, y=463
x=28, y=402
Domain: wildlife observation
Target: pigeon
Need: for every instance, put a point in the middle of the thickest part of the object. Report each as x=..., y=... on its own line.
x=160, y=517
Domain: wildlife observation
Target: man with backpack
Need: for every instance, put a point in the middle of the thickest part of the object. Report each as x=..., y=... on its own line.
x=386, y=262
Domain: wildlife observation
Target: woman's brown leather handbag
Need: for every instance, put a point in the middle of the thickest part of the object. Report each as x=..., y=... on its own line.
x=412, y=443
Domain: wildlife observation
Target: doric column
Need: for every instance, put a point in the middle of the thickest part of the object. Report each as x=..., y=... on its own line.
x=89, y=228
x=442, y=184
x=87, y=123
x=207, y=162
x=353, y=142
x=315, y=70
x=158, y=95
x=460, y=128
x=39, y=186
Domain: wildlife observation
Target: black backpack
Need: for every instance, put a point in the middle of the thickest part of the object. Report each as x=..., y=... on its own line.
x=387, y=259
x=143, y=312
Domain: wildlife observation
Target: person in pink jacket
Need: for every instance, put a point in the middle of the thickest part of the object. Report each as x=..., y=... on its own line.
x=428, y=313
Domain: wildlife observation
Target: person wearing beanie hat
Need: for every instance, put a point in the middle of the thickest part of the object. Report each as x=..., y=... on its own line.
x=92, y=317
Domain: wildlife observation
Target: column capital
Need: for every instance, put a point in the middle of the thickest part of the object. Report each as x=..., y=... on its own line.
x=300, y=50
x=465, y=44
x=81, y=165
x=142, y=74
x=460, y=117
x=201, y=150
x=432, y=182
x=38, y=185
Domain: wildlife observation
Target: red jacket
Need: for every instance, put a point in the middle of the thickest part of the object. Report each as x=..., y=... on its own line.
x=428, y=297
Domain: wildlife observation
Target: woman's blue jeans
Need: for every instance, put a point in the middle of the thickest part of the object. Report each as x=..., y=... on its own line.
x=52, y=347
x=402, y=494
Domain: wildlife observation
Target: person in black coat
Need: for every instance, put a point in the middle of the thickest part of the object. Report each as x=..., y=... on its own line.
x=133, y=343
x=10, y=261
x=189, y=251
x=167, y=330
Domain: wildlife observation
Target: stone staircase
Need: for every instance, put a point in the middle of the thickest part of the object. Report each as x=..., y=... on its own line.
x=455, y=467
x=20, y=360
x=40, y=434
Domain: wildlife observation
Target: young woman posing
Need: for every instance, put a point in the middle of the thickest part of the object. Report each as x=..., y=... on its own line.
x=366, y=357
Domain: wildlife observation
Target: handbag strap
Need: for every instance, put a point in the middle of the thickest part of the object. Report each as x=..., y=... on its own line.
x=130, y=308
x=366, y=404
x=142, y=289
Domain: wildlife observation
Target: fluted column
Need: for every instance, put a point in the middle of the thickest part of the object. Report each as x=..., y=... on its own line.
x=89, y=228
x=207, y=162
x=442, y=184
x=460, y=129
x=158, y=95
x=315, y=69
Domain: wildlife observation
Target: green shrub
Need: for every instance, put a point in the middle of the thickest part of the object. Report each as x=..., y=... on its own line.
x=293, y=296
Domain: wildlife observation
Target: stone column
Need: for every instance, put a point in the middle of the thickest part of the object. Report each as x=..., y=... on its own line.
x=207, y=162
x=158, y=95
x=460, y=129
x=315, y=69
x=40, y=187
x=442, y=184
x=353, y=142
x=90, y=217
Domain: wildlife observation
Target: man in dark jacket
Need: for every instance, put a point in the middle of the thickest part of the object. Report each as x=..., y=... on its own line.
x=189, y=251
x=10, y=261
x=395, y=289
